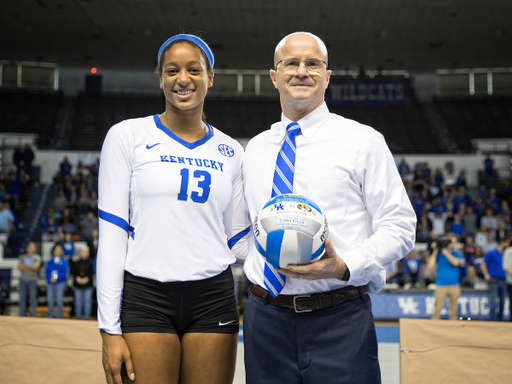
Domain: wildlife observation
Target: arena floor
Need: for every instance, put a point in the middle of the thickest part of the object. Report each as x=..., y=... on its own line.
x=387, y=335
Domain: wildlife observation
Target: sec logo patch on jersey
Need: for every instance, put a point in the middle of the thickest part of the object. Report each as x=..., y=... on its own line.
x=226, y=150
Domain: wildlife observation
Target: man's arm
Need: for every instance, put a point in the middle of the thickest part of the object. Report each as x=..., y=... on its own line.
x=452, y=259
x=431, y=260
x=485, y=272
x=22, y=266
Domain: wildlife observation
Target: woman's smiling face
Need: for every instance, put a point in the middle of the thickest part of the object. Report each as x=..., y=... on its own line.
x=185, y=76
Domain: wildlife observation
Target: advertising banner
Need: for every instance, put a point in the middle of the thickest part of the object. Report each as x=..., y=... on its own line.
x=421, y=305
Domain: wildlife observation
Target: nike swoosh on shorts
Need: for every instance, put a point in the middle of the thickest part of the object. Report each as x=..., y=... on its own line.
x=149, y=147
x=226, y=323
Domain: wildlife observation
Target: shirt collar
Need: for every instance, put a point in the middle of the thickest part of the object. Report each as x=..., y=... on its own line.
x=309, y=123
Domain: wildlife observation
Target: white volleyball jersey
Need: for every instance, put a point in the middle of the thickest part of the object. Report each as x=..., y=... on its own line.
x=169, y=210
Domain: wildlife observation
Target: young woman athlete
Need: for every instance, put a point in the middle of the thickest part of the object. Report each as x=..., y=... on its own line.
x=172, y=219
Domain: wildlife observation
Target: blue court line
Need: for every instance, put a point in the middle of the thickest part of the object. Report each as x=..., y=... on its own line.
x=385, y=334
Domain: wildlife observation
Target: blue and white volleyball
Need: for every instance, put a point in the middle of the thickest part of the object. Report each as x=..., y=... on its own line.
x=290, y=229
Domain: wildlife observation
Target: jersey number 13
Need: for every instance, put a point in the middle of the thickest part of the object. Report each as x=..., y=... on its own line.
x=203, y=183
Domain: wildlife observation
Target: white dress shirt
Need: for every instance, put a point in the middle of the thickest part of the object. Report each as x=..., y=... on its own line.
x=347, y=169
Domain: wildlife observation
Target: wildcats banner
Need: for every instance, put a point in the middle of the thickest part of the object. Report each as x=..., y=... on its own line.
x=382, y=90
x=421, y=305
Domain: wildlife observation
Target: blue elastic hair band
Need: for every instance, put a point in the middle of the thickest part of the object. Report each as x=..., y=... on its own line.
x=196, y=40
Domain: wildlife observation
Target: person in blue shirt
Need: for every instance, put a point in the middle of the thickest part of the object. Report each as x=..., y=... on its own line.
x=65, y=168
x=56, y=271
x=448, y=261
x=412, y=266
x=493, y=271
x=457, y=225
x=69, y=246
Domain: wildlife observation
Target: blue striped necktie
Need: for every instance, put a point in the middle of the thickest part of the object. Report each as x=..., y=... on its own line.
x=282, y=183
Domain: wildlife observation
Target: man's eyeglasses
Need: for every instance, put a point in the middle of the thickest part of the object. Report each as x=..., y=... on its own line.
x=292, y=65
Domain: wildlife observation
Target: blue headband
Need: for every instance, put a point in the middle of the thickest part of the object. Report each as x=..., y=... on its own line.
x=196, y=40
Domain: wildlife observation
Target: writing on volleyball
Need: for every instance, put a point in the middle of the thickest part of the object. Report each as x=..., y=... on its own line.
x=326, y=230
x=205, y=163
x=256, y=229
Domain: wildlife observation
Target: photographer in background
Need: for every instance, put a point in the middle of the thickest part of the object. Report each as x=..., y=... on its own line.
x=448, y=261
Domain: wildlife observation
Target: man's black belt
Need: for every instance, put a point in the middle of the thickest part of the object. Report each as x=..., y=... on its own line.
x=311, y=302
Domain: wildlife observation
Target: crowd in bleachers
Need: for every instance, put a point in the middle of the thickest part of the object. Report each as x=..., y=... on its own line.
x=75, y=207
x=72, y=217
x=13, y=185
x=479, y=216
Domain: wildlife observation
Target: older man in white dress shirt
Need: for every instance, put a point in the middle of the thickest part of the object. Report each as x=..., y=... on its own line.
x=320, y=329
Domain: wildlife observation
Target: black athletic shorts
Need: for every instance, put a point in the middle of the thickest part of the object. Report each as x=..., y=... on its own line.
x=202, y=306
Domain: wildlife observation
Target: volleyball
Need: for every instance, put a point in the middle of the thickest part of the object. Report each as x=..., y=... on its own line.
x=290, y=229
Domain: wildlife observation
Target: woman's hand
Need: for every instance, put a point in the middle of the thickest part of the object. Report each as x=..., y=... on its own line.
x=115, y=353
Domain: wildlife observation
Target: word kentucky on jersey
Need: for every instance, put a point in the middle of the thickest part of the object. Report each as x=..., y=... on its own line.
x=193, y=161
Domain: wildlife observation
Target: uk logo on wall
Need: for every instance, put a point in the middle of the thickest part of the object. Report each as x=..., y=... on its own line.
x=421, y=305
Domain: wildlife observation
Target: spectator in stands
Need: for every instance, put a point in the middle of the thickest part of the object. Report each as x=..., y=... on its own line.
x=88, y=224
x=44, y=220
x=403, y=168
x=448, y=261
x=50, y=233
x=61, y=202
x=92, y=243
x=68, y=246
x=423, y=230
x=6, y=219
x=67, y=223
x=27, y=157
x=469, y=247
x=438, y=177
x=491, y=243
x=17, y=159
x=501, y=231
x=494, y=200
x=417, y=203
x=65, y=168
x=470, y=221
x=457, y=225
x=461, y=180
x=15, y=187
x=82, y=271
x=489, y=171
x=481, y=237
x=505, y=210
x=95, y=168
x=56, y=271
x=73, y=204
x=84, y=202
x=412, y=265
x=28, y=265
x=494, y=273
x=507, y=267
x=81, y=170
x=472, y=280
x=438, y=220
x=94, y=201
x=459, y=198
